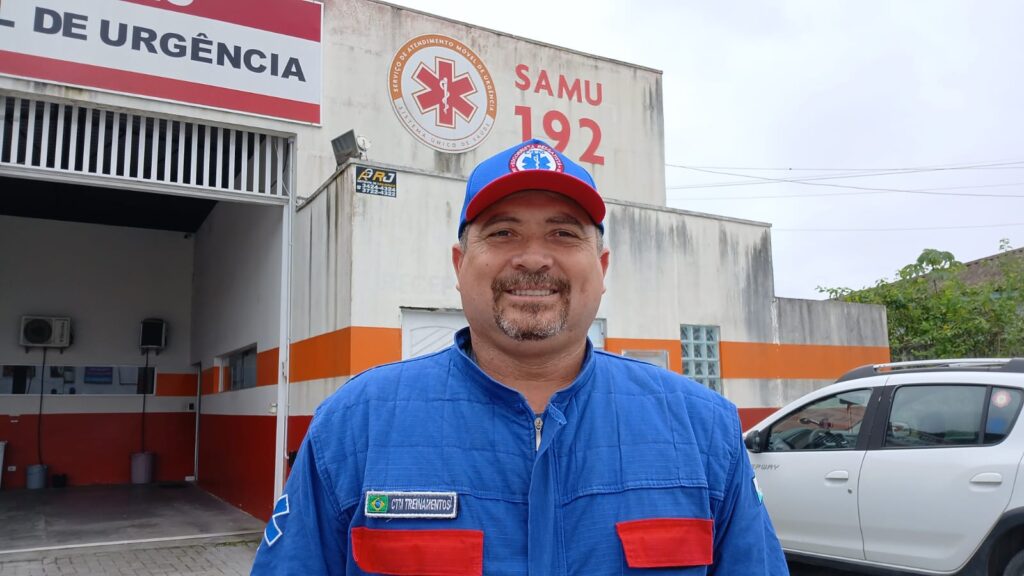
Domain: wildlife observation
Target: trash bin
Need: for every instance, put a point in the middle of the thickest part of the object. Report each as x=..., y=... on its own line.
x=142, y=467
x=36, y=476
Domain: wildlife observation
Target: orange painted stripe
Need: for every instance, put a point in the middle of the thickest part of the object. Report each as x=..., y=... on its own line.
x=374, y=346
x=344, y=352
x=673, y=347
x=211, y=380
x=322, y=356
x=813, y=361
x=168, y=384
x=266, y=367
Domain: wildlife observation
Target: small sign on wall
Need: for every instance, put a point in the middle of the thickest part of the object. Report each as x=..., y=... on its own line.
x=376, y=181
x=98, y=375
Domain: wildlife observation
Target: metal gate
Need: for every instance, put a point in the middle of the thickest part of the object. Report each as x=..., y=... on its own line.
x=126, y=149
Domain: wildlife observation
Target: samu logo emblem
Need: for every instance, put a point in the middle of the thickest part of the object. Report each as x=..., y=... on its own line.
x=275, y=530
x=442, y=93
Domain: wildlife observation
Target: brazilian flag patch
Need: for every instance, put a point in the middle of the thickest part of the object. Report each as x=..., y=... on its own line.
x=376, y=503
x=411, y=505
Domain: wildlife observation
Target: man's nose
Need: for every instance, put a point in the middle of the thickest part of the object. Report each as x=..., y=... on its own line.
x=533, y=257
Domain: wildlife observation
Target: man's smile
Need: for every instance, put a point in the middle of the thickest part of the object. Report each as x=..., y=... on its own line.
x=532, y=293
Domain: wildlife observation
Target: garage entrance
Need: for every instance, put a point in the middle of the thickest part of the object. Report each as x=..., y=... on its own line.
x=143, y=284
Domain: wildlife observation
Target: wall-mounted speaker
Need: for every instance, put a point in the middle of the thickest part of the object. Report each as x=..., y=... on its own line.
x=154, y=334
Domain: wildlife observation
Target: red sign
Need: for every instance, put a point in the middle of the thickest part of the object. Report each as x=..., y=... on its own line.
x=255, y=56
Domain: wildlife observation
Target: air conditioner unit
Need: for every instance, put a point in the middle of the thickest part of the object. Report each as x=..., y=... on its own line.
x=45, y=331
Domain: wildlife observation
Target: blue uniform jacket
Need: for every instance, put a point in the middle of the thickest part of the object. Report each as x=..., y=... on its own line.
x=639, y=471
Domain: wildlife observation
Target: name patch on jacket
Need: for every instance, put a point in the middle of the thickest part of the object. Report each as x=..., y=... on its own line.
x=411, y=504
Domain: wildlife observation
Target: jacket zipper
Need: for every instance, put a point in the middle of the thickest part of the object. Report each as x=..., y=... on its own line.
x=538, y=423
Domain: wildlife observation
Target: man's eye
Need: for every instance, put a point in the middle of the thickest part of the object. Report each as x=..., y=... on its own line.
x=566, y=234
x=501, y=233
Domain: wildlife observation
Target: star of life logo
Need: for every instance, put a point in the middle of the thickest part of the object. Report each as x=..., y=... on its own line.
x=274, y=531
x=442, y=93
x=535, y=157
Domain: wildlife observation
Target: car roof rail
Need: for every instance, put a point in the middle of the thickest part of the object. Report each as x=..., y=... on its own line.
x=1015, y=365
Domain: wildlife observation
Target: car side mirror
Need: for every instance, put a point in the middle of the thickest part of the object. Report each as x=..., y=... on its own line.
x=753, y=441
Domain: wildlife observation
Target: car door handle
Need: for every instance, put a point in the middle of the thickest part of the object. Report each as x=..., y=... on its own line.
x=837, y=475
x=988, y=478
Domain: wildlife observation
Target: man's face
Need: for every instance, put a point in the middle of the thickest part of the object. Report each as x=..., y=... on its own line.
x=531, y=269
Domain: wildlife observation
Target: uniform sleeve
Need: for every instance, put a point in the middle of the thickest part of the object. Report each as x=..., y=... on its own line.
x=744, y=542
x=307, y=532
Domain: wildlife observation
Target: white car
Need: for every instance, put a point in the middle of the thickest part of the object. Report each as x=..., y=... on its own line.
x=910, y=467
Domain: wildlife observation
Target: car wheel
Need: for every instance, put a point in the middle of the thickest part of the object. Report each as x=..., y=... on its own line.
x=1016, y=565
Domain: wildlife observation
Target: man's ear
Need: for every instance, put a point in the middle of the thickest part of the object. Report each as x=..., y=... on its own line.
x=457, y=256
x=604, y=257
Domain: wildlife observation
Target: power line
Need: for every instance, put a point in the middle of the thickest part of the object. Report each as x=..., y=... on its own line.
x=1010, y=225
x=936, y=191
x=755, y=180
x=847, y=186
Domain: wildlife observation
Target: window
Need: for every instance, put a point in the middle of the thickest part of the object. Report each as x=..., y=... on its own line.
x=950, y=415
x=657, y=357
x=700, y=355
x=242, y=369
x=832, y=423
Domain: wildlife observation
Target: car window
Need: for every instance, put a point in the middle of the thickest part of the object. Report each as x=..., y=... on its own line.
x=939, y=415
x=1003, y=407
x=832, y=423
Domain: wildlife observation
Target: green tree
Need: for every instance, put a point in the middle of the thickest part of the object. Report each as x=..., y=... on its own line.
x=934, y=313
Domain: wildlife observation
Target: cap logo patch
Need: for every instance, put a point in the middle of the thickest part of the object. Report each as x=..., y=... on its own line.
x=535, y=157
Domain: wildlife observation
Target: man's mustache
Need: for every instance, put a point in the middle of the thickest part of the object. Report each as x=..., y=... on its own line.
x=529, y=281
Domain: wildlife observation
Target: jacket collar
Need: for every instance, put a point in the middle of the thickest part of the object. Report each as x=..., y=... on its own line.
x=501, y=394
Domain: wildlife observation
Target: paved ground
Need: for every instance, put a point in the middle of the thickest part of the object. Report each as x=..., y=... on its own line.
x=209, y=559
x=157, y=529
x=35, y=520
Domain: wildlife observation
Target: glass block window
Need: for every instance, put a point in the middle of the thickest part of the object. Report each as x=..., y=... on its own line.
x=701, y=361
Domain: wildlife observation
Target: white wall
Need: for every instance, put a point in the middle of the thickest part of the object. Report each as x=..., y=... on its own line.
x=106, y=278
x=401, y=253
x=237, y=281
x=322, y=264
x=671, y=267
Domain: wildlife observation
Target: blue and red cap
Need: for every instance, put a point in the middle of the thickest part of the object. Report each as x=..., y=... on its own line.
x=532, y=165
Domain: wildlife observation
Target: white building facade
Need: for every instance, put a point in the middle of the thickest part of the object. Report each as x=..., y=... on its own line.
x=175, y=162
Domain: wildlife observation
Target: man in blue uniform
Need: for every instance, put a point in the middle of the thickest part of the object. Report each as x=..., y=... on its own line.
x=521, y=449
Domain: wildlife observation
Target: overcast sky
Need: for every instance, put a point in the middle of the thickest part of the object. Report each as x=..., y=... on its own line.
x=852, y=86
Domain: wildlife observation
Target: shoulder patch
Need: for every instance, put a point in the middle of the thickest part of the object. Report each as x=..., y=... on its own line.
x=274, y=530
